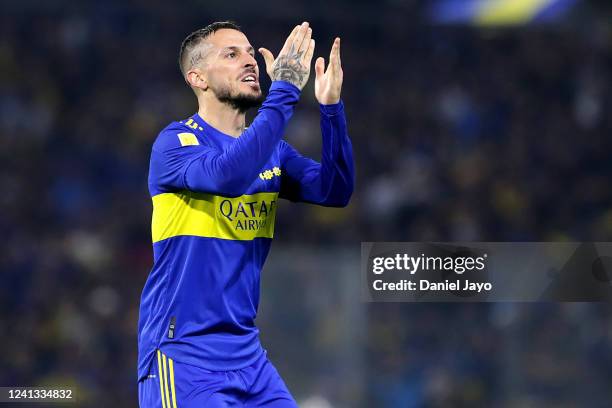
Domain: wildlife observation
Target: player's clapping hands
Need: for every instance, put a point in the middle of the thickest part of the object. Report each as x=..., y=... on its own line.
x=328, y=83
x=293, y=61
x=293, y=65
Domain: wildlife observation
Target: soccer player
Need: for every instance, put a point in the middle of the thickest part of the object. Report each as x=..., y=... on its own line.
x=215, y=186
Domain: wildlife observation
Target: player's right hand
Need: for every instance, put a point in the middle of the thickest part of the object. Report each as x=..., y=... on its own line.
x=293, y=61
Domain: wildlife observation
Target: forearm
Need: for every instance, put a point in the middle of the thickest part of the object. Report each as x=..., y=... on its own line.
x=329, y=182
x=337, y=174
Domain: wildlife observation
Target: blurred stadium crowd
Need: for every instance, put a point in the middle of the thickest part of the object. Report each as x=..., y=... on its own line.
x=459, y=134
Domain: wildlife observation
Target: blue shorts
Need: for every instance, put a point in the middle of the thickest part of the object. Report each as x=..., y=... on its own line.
x=186, y=386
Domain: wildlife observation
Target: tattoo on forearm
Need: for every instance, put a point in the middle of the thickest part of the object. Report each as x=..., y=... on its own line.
x=289, y=68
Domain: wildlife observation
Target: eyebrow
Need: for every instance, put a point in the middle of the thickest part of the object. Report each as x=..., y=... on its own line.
x=235, y=48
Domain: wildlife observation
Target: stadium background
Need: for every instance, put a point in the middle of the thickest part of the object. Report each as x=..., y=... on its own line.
x=460, y=133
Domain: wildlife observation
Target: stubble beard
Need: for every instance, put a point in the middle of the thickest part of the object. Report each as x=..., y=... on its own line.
x=240, y=101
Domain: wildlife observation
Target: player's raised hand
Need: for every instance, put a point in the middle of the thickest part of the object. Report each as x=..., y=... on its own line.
x=328, y=83
x=293, y=61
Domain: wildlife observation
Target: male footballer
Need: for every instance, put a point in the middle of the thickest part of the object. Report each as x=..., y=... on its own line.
x=215, y=186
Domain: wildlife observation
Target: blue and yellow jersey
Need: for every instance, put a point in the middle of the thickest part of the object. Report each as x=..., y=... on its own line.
x=214, y=205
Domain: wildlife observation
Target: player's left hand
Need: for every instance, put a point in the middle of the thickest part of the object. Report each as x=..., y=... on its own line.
x=328, y=83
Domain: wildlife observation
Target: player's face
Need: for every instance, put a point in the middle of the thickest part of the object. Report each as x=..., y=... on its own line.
x=232, y=71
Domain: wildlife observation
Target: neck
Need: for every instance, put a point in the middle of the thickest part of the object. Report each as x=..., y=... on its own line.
x=221, y=116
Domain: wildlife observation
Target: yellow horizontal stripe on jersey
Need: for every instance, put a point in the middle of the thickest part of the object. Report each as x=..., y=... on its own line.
x=206, y=215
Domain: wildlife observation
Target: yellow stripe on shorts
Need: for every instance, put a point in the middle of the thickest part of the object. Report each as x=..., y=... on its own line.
x=161, y=380
x=172, y=382
x=166, y=382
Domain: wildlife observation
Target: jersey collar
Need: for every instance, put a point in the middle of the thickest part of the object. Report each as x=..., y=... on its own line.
x=207, y=130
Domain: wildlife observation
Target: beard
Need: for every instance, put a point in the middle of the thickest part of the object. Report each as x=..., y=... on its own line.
x=240, y=101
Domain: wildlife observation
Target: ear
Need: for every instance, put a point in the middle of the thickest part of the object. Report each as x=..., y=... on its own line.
x=196, y=79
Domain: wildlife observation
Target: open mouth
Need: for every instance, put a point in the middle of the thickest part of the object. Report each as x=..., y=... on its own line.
x=250, y=78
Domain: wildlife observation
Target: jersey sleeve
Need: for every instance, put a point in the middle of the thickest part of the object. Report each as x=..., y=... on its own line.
x=176, y=165
x=330, y=182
